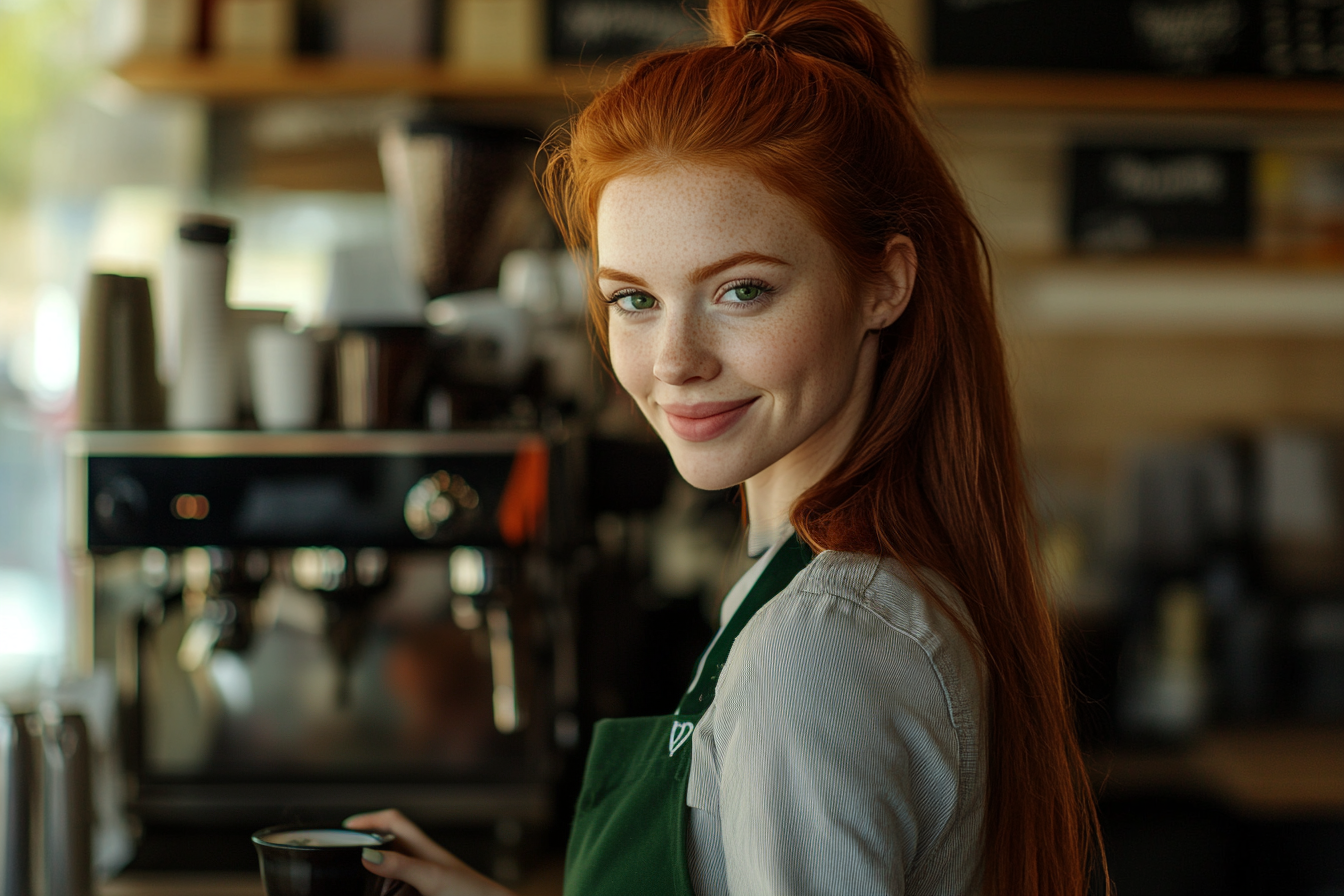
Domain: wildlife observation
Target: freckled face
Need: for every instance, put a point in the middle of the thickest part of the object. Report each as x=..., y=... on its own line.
x=728, y=320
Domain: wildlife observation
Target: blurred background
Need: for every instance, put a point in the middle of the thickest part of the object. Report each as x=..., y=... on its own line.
x=316, y=499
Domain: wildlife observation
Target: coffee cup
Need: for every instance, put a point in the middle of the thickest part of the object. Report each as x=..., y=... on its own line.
x=286, y=391
x=299, y=860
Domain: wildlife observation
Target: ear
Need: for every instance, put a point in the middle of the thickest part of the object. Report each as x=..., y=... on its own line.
x=889, y=296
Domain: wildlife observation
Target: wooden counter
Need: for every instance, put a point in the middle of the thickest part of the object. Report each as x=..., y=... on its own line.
x=1265, y=773
x=544, y=880
x=146, y=883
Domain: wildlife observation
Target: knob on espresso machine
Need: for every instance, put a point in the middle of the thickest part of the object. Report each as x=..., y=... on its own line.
x=121, y=507
x=439, y=503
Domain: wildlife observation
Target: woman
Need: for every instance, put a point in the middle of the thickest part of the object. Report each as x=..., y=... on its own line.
x=791, y=288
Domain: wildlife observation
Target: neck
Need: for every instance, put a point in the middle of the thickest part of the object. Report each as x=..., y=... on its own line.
x=772, y=492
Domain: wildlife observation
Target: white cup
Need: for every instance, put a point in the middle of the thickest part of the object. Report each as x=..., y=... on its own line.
x=571, y=279
x=284, y=370
x=527, y=280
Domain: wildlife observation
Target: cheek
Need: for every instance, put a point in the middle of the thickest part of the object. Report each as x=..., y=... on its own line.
x=629, y=361
x=808, y=351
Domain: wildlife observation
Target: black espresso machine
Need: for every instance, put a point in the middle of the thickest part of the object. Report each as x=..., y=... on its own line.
x=307, y=625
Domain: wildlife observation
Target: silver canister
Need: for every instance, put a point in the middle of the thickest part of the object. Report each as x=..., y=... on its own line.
x=16, y=788
x=62, y=806
x=118, y=375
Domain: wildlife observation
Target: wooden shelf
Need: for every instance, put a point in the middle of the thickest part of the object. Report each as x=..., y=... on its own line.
x=1064, y=92
x=1181, y=293
x=1216, y=260
x=241, y=80
x=244, y=80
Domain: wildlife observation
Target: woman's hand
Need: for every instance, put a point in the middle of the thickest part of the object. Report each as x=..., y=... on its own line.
x=425, y=865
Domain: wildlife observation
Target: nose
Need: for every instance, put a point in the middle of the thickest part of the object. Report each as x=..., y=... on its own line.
x=685, y=350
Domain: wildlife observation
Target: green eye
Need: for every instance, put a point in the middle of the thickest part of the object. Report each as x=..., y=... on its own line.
x=747, y=292
x=636, y=301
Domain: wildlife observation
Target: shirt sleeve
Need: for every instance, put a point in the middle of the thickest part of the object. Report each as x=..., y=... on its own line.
x=836, y=754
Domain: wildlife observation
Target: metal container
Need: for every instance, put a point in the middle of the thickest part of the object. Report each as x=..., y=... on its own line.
x=380, y=377
x=46, y=813
x=16, y=785
x=62, y=812
x=118, y=380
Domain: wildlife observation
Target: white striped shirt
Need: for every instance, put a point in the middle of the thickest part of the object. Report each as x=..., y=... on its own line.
x=842, y=753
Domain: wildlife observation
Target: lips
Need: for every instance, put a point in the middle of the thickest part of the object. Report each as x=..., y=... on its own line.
x=705, y=420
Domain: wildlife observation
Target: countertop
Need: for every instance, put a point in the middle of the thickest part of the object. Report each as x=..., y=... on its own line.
x=149, y=883
x=545, y=880
x=1278, y=772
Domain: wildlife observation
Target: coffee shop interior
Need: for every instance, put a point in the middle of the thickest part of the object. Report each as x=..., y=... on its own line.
x=317, y=498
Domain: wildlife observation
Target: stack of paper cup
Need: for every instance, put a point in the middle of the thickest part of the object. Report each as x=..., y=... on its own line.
x=204, y=395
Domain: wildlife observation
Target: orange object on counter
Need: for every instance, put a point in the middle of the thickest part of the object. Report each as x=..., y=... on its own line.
x=523, y=506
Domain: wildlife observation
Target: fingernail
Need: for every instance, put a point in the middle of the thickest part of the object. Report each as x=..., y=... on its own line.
x=372, y=856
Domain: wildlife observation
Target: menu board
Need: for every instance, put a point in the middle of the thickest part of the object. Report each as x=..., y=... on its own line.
x=1136, y=198
x=1282, y=38
x=603, y=30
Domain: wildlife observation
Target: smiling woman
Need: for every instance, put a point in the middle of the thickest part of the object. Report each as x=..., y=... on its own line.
x=791, y=288
x=731, y=325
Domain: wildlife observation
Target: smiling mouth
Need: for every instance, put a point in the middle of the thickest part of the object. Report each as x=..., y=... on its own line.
x=706, y=420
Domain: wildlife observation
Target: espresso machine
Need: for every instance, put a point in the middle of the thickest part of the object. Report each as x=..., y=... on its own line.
x=307, y=625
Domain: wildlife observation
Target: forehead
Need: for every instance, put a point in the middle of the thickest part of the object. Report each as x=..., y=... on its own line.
x=685, y=217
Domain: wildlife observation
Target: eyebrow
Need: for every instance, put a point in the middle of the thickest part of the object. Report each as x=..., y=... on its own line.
x=704, y=272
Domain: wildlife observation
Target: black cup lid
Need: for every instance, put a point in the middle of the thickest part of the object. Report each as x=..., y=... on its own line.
x=205, y=229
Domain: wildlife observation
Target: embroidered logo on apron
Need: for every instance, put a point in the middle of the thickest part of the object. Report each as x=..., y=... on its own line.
x=681, y=732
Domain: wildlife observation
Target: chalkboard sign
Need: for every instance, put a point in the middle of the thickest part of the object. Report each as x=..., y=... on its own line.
x=1127, y=199
x=602, y=30
x=1194, y=37
x=1302, y=37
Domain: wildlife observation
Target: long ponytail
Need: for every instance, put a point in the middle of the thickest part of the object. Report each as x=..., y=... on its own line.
x=814, y=98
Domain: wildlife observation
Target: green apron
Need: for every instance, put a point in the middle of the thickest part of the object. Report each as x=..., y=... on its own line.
x=629, y=832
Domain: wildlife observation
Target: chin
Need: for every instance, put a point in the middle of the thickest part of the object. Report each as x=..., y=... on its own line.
x=709, y=471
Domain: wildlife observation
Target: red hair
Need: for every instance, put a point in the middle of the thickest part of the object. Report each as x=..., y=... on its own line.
x=813, y=98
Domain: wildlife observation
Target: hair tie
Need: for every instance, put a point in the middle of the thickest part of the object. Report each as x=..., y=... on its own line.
x=752, y=36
